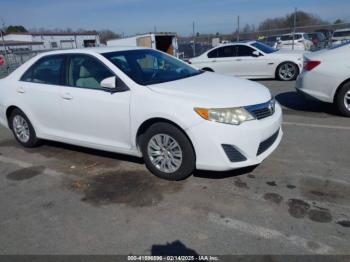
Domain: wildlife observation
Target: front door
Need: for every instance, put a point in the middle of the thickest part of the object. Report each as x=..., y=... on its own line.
x=92, y=115
x=249, y=65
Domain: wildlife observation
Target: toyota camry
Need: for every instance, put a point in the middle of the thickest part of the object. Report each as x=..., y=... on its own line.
x=144, y=103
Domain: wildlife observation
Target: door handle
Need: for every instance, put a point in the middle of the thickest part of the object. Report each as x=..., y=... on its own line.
x=67, y=96
x=239, y=59
x=20, y=90
x=213, y=61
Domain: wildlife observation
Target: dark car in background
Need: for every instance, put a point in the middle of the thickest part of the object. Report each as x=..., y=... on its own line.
x=318, y=39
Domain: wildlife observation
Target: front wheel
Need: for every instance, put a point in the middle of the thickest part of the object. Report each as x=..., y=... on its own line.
x=343, y=100
x=287, y=71
x=167, y=152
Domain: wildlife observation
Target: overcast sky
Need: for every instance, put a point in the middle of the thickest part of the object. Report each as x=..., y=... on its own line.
x=139, y=16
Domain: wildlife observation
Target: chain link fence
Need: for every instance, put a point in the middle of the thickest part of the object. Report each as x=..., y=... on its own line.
x=13, y=60
x=204, y=42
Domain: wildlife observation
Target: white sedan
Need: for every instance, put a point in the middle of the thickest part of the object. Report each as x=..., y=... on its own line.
x=252, y=59
x=144, y=103
x=326, y=77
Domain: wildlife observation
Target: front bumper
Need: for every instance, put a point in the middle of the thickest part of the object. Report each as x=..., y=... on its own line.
x=208, y=139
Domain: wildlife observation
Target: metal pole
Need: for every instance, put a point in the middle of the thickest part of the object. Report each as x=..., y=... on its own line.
x=194, y=40
x=238, y=28
x=294, y=27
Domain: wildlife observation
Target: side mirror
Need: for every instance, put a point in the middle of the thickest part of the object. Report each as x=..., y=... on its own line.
x=256, y=54
x=110, y=82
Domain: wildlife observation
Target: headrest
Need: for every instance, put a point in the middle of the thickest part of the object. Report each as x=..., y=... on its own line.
x=86, y=69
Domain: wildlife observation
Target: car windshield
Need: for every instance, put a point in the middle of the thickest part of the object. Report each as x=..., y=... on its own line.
x=148, y=67
x=264, y=48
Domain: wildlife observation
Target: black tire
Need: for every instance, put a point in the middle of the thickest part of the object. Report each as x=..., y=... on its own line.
x=33, y=141
x=340, y=100
x=188, y=162
x=294, y=77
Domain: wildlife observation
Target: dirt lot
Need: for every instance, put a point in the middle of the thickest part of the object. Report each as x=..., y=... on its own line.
x=60, y=199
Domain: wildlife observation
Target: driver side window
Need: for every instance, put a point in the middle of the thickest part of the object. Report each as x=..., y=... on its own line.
x=243, y=50
x=87, y=72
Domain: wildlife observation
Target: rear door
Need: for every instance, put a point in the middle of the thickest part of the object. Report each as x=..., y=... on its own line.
x=93, y=116
x=144, y=41
x=38, y=92
x=223, y=60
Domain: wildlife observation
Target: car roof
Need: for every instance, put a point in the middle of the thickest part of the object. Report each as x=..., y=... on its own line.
x=93, y=50
x=296, y=33
x=249, y=42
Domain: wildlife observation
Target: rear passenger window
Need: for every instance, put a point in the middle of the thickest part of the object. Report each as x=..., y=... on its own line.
x=46, y=71
x=225, y=51
x=213, y=54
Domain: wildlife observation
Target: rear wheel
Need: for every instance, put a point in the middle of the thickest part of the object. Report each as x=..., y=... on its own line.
x=343, y=100
x=167, y=152
x=287, y=71
x=22, y=129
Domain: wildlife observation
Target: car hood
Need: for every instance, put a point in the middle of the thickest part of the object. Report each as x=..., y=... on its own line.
x=215, y=90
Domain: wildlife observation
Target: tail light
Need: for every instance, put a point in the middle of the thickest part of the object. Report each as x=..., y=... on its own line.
x=310, y=64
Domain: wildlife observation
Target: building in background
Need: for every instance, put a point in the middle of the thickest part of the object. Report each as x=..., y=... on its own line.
x=48, y=41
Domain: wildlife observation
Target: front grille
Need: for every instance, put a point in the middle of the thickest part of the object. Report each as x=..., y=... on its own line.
x=261, y=111
x=267, y=143
x=233, y=154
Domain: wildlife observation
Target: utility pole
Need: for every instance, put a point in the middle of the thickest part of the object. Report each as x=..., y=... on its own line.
x=238, y=28
x=294, y=26
x=194, y=39
x=155, y=29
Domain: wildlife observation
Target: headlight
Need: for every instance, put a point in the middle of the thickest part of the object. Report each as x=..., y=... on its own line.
x=232, y=116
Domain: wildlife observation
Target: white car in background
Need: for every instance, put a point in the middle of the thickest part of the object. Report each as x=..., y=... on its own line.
x=326, y=77
x=144, y=103
x=340, y=36
x=252, y=60
x=302, y=42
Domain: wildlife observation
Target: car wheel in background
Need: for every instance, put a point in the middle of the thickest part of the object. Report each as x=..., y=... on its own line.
x=167, y=152
x=207, y=69
x=23, y=129
x=287, y=71
x=343, y=100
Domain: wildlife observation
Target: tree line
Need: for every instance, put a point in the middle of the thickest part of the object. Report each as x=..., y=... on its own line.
x=284, y=22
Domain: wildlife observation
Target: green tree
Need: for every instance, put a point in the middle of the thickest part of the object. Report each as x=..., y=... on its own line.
x=16, y=29
x=338, y=21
